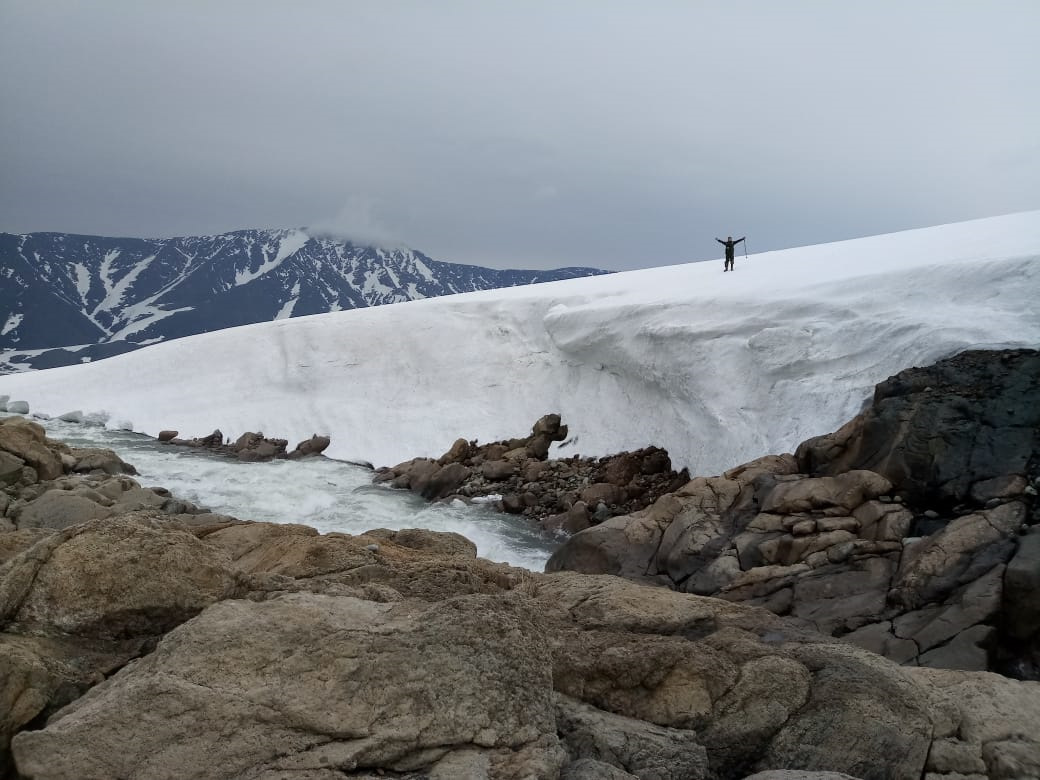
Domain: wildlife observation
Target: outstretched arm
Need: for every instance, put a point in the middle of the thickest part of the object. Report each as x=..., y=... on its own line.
x=739, y=240
x=720, y=241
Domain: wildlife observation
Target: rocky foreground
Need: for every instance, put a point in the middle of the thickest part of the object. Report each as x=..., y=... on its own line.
x=156, y=640
x=914, y=531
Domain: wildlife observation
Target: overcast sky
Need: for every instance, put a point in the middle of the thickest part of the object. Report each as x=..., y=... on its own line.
x=519, y=134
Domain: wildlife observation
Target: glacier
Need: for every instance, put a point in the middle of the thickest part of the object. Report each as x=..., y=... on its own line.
x=717, y=368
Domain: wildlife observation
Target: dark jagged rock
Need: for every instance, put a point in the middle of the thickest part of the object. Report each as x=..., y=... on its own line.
x=250, y=447
x=911, y=531
x=941, y=431
x=560, y=495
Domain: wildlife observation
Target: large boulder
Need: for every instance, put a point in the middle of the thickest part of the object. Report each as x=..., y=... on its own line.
x=757, y=693
x=41, y=673
x=78, y=604
x=381, y=565
x=28, y=440
x=984, y=725
x=304, y=682
x=114, y=578
x=79, y=498
x=59, y=509
x=937, y=431
x=97, y=459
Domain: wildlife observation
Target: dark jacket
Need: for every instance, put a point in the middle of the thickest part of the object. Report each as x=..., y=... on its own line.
x=729, y=245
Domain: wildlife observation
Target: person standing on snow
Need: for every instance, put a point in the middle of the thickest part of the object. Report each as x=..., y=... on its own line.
x=729, y=243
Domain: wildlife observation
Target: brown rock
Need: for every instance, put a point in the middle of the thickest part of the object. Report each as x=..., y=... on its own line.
x=930, y=570
x=573, y=520
x=620, y=545
x=603, y=492
x=538, y=447
x=550, y=426
x=59, y=509
x=305, y=681
x=1006, y=486
x=883, y=522
x=215, y=439
x=641, y=748
x=497, y=470
x=87, y=460
x=847, y=491
x=114, y=578
x=972, y=711
x=10, y=468
x=436, y=542
x=28, y=441
x=459, y=452
x=315, y=445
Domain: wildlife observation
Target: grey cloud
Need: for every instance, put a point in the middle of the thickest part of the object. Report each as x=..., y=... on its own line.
x=529, y=134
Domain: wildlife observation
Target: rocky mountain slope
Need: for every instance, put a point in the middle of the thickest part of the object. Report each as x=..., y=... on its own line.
x=109, y=295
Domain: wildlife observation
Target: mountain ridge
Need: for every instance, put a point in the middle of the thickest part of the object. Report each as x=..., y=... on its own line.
x=71, y=297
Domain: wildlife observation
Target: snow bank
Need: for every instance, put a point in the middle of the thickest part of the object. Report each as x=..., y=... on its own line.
x=718, y=368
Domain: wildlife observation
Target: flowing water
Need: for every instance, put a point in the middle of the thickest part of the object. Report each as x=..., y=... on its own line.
x=325, y=494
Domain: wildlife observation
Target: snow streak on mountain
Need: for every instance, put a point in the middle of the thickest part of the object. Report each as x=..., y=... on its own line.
x=70, y=298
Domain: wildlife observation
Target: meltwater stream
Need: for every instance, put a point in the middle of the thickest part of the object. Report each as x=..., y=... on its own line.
x=327, y=495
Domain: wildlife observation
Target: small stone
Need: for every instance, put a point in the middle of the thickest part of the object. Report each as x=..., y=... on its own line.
x=372, y=547
x=512, y=503
x=838, y=524
x=803, y=528
x=840, y=552
x=818, y=559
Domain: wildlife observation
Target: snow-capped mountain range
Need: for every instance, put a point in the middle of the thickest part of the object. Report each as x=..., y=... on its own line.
x=68, y=298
